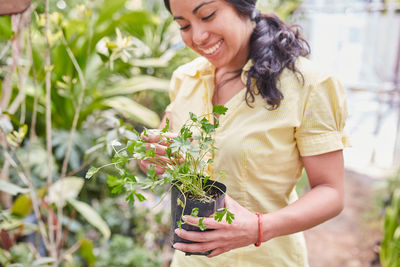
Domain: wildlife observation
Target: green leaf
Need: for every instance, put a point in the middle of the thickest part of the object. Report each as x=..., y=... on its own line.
x=218, y=109
x=137, y=84
x=120, y=158
x=166, y=127
x=179, y=224
x=115, y=183
x=4, y=259
x=130, y=177
x=140, y=197
x=133, y=110
x=22, y=206
x=206, y=126
x=45, y=261
x=12, y=189
x=195, y=212
x=64, y=189
x=229, y=217
x=86, y=250
x=180, y=203
x=92, y=171
x=130, y=147
x=193, y=117
x=201, y=224
x=151, y=172
x=91, y=216
x=6, y=31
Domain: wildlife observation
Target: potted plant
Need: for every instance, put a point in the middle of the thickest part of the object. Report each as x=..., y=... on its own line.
x=186, y=162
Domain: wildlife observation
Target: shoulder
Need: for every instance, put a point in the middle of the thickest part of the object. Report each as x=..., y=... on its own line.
x=312, y=73
x=193, y=68
x=187, y=77
x=310, y=84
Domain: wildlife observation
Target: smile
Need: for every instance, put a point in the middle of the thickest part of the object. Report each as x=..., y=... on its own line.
x=211, y=50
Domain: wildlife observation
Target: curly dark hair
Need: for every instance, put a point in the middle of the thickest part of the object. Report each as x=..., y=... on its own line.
x=274, y=46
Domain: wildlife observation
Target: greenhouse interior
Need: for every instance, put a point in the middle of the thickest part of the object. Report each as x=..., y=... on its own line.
x=83, y=83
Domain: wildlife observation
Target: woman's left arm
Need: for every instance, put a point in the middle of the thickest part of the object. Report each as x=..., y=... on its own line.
x=324, y=201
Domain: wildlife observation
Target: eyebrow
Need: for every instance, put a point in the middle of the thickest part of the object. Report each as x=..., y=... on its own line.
x=195, y=9
x=199, y=6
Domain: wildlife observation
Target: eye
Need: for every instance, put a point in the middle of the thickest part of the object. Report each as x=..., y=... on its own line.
x=208, y=17
x=184, y=28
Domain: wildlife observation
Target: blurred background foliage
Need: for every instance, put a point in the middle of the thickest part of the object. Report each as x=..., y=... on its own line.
x=111, y=61
x=110, y=66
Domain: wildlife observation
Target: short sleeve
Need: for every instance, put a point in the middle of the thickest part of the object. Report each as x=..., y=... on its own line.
x=324, y=116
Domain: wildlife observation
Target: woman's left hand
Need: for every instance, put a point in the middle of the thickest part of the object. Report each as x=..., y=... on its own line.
x=242, y=232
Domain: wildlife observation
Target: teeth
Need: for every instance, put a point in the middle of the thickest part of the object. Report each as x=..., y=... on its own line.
x=212, y=49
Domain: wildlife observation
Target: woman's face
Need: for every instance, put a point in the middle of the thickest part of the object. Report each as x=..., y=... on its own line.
x=215, y=30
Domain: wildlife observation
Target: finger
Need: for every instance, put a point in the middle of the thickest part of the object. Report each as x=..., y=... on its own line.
x=144, y=165
x=195, y=247
x=159, y=149
x=230, y=203
x=151, y=138
x=160, y=138
x=217, y=252
x=208, y=236
x=209, y=222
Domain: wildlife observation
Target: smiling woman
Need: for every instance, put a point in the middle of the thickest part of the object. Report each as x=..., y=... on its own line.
x=204, y=29
x=284, y=115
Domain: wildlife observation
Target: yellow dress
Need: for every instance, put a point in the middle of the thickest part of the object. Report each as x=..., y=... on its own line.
x=260, y=150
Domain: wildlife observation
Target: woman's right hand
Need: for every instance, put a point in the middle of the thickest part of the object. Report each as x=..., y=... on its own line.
x=159, y=143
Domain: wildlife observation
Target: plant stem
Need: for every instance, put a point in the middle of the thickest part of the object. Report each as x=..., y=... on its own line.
x=80, y=168
x=53, y=248
x=70, y=251
x=32, y=132
x=7, y=83
x=5, y=49
x=23, y=18
x=5, y=199
x=35, y=201
x=78, y=108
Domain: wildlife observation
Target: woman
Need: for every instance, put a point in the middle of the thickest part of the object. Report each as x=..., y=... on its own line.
x=283, y=115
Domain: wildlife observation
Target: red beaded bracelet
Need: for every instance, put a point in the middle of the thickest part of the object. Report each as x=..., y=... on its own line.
x=260, y=230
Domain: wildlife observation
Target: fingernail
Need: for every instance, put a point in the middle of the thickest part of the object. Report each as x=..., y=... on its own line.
x=185, y=217
x=176, y=246
x=177, y=231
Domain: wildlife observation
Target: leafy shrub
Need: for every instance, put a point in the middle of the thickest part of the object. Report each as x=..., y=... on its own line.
x=123, y=252
x=390, y=247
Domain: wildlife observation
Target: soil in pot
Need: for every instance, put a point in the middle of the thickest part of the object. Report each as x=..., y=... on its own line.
x=217, y=191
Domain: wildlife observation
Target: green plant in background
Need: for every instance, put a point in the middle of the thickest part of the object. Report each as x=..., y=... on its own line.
x=63, y=66
x=22, y=254
x=389, y=254
x=186, y=164
x=283, y=8
x=119, y=252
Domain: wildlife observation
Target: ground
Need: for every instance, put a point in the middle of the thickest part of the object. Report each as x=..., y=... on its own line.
x=350, y=239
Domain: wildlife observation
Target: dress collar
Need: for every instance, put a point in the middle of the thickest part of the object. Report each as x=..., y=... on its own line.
x=202, y=67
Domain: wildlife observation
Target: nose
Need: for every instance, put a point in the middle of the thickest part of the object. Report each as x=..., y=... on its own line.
x=200, y=35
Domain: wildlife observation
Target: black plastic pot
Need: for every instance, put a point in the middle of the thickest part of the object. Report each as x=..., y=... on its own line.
x=205, y=210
